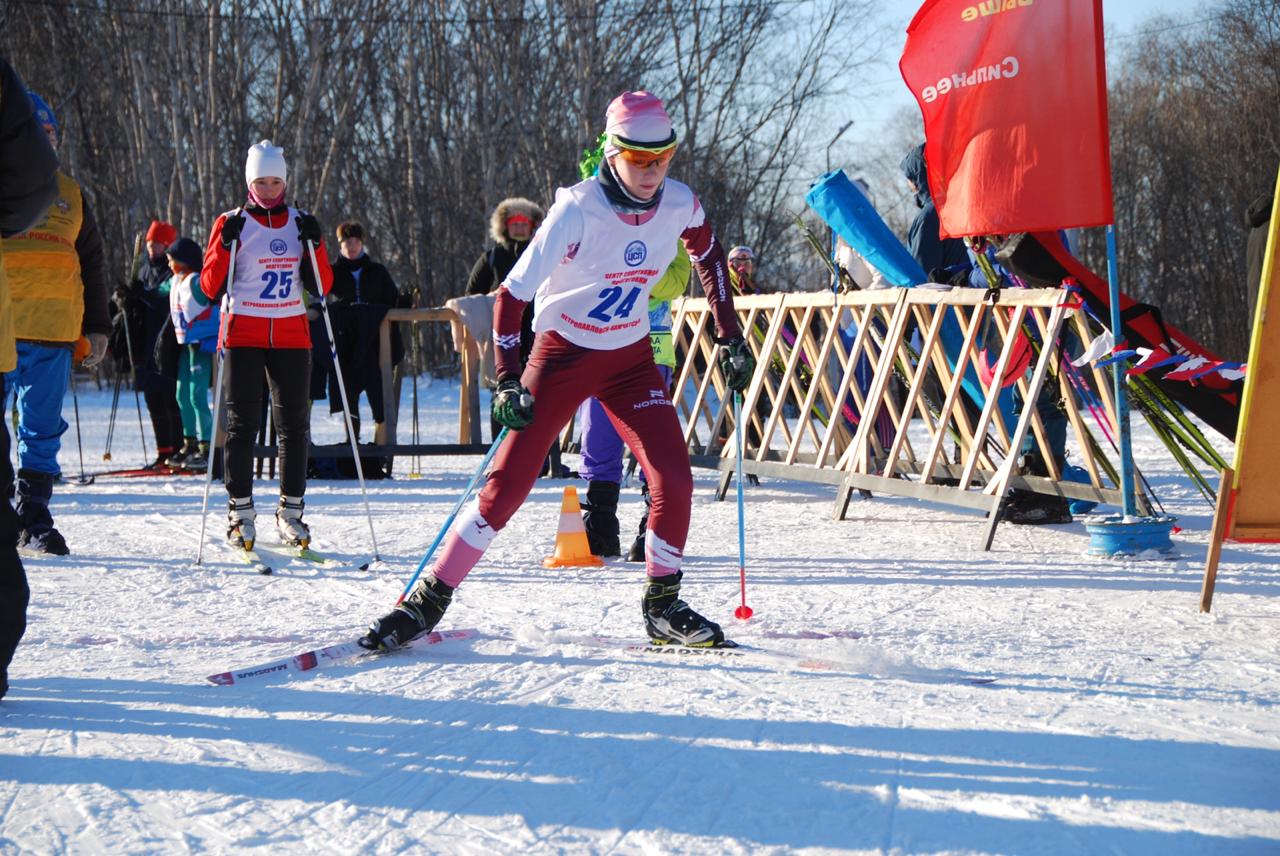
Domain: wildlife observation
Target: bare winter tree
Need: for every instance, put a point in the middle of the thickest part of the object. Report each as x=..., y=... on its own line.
x=1195, y=136
x=418, y=116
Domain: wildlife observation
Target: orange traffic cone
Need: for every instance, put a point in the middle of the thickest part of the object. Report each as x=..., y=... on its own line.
x=572, y=549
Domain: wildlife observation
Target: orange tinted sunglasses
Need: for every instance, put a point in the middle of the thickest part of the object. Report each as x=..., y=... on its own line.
x=644, y=160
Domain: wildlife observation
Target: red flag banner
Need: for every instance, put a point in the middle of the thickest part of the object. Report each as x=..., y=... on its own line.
x=1014, y=97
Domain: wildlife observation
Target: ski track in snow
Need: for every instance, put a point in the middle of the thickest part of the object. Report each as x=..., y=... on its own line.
x=1120, y=720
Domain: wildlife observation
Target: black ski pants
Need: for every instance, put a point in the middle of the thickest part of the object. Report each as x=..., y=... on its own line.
x=166, y=419
x=14, y=593
x=289, y=378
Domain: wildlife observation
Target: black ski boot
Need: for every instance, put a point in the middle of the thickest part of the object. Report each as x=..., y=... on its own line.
x=32, y=493
x=670, y=621
x=1024, y=508
x=636, y=553
x=418, y=613
x=1027, y=508
x=198, y=460
x=600, y=518
x=180, y=457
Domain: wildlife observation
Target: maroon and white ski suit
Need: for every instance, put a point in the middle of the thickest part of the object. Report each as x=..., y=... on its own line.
x=591, y=269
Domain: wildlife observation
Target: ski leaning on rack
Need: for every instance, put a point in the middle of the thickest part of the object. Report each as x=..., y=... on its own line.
x=319, y=657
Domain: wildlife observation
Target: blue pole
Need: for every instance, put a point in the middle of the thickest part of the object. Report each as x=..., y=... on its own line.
x=1118, y=380
x=462, y=500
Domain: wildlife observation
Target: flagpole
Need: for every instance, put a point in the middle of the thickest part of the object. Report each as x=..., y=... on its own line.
x=1118, y=369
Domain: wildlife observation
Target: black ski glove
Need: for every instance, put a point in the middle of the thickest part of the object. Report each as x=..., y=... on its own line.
x=737, y=363
x=512, y=404
x=231, y=229
x=308, y=229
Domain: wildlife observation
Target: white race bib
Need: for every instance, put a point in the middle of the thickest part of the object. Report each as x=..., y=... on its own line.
x=268, y=282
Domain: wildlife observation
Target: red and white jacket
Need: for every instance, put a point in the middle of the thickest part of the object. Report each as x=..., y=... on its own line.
x=265, y=309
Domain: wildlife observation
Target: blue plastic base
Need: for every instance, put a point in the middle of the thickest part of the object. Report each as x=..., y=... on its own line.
x=1139, y=537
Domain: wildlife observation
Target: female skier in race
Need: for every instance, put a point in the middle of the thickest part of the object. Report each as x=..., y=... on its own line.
x=264, y=326
x=603, y=245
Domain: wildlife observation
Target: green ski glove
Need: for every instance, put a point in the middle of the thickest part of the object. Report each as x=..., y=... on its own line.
x=512, y=404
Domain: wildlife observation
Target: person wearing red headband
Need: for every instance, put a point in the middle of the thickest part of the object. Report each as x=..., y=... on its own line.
x=591, y=267
x=511, y=226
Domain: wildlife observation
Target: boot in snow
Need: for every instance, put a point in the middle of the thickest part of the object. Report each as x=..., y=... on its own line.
x=32, y=493
x=240, y=517
x=670, y=621
x=418, y=613
x=179, y=458
x=600, y=518
x=289, y=522
x=198, y=460
x=1025, y=508
x=636, y=554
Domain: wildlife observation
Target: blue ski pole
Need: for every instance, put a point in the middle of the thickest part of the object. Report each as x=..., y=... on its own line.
x=743, y=612
x=448, y=523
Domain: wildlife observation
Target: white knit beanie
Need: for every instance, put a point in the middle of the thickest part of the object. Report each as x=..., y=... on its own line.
x=265, y=161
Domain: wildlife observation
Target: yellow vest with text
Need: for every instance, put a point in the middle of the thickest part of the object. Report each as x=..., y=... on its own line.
x=46, y=292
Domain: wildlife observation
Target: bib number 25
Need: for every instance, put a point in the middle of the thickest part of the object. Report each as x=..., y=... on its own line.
x=278, y=284
x=605, y=310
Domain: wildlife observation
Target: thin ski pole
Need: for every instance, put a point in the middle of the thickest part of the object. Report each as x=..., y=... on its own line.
x=75, y=401
x=217, y=400
x=743, y=612
x=137, y=400
x=448, y=523
x=342, y=391
x=416, y=472
x=111, y=423
x=213, y=449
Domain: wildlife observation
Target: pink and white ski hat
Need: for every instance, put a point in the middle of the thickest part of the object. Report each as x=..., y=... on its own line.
x=265, y=161
x=637, y=120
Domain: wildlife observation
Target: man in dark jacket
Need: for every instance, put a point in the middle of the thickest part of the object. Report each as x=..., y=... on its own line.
x=362, y=293
x=1258, y=219
x=28, y=185
x=926, y=245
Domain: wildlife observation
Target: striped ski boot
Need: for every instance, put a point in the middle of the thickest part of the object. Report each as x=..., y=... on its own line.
x=240, y=517
x=289, y=522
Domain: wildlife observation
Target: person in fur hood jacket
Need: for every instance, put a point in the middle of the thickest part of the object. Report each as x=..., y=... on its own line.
x=511, y=226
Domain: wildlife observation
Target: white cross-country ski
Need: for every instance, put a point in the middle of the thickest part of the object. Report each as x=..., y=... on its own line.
x=746, y=654
x=309, y=555
x=252, y=559
x=320, y=657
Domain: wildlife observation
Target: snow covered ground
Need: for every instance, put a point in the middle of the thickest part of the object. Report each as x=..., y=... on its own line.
x=1121, y=720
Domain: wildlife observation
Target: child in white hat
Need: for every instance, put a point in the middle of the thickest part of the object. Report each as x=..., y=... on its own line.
x=264, y=327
